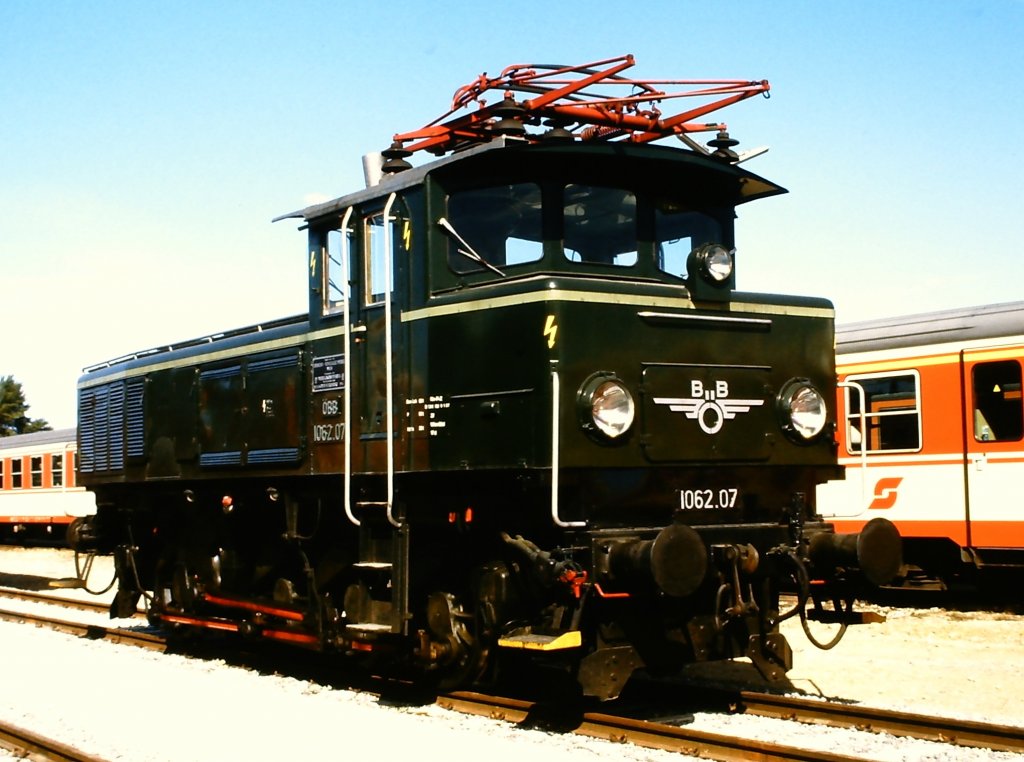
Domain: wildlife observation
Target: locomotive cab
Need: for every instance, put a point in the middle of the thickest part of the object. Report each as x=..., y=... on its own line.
x=528, y=413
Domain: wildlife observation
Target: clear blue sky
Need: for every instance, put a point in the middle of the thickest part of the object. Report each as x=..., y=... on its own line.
x=145, y=146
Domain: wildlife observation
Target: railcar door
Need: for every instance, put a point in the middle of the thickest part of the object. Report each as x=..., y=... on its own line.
x=994, y=447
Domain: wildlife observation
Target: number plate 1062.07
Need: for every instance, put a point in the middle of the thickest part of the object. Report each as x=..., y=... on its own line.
x=708, y=499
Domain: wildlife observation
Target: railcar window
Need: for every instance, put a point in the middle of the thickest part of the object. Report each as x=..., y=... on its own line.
x=36, y=465
x=599, y=225
x=16, y=473
x=334, y=283
x=998, y=407
x=2, y=461
x=892, y=413
x=501, y=224
x=678, y=232
x=57, y=470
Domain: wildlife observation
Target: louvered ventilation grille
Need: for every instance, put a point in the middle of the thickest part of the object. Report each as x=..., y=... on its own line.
x=234, y=370
x=101, y=423
x=277, y=362
x=134, y=411
x=274, y=455
x=231, y=458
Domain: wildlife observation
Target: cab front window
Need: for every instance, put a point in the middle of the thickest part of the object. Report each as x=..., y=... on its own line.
x=494, y=228
x=599, y=225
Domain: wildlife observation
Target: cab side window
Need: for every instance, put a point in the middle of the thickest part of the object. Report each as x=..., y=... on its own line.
x=998, y=408
x=334, y=271
x=891, y=413
x=677, y=232
x=375, y=253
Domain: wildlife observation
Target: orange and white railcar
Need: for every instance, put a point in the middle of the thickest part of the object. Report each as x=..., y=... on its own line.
x=39, y=496
x=931, y=431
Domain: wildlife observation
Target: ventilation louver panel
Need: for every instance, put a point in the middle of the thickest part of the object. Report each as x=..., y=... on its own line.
x=101, y=423
x=135, y=414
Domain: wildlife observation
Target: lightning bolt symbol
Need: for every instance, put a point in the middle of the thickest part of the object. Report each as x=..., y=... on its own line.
x=407, y=235
x=550, y=330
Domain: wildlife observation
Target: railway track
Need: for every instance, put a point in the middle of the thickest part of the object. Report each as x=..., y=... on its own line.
x=53, y=600
x=70, y=626
x=904, y=724
x=652, y=735
x=685, y=740
x=623, y=729
x=28, y=745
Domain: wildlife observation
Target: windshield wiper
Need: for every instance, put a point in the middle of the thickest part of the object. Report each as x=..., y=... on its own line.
x=468, y=252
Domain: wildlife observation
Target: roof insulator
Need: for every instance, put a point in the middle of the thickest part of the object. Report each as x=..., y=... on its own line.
x=557, y=132
x=723, y=147
x=510, y=117
x=395, y=159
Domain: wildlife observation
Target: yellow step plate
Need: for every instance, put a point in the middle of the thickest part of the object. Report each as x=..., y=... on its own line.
x=534, y=642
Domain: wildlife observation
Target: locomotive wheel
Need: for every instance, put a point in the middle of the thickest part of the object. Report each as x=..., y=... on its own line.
x=467, y=656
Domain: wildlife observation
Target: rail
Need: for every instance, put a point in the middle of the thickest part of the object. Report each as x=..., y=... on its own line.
x=906, y=724
x=28, y=745
x=651, y=734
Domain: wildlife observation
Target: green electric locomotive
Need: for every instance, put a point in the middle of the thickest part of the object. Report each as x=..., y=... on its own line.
x=528, y=413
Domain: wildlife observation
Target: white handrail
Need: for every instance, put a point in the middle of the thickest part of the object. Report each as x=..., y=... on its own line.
x=346, y=287
x=555, y=386
x=390, y=392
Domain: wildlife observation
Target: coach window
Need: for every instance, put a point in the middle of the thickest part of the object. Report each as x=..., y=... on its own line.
x=36, y=464
x=892, y=413
x=599, y=225
x=494, y=228
x=16, y=473
x=2, y=461
x=998, y=408
x=57, y=470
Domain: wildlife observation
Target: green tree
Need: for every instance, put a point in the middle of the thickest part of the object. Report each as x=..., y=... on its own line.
x=13, y=410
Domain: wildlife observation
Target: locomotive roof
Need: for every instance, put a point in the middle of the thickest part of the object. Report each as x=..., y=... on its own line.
x=954, y=325
x=390, y=183
x=745, y=185
x=37, y=438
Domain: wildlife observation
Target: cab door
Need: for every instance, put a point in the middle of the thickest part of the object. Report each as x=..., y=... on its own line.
x=994, y=450
x=382, y=243
x=331, y=255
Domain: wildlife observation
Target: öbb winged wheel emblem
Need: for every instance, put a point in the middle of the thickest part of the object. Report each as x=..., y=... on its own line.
x=710, y=406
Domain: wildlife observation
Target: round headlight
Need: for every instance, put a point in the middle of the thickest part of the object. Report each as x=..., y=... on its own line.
x=606, y=406
x=715, y=263
x=802, y=409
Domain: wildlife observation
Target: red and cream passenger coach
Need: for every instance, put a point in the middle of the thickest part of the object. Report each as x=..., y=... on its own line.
x=39, y=495
x=932, y=435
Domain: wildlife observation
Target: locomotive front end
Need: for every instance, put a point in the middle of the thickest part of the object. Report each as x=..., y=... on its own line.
x=696, y=434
